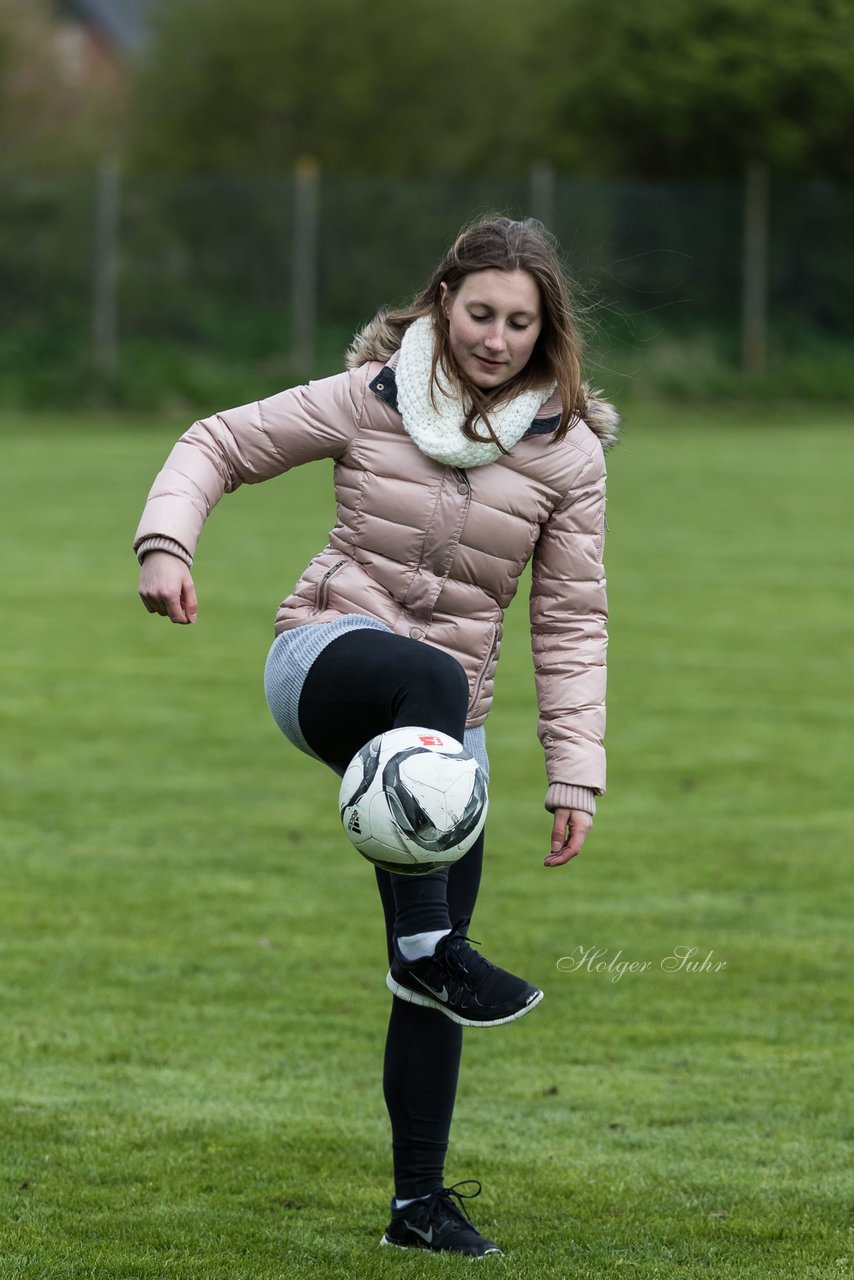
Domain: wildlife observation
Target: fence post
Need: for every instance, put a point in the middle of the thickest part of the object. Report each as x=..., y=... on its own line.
x=106, y=267
x=304, y=264
x=754, y=296
x=542, y=192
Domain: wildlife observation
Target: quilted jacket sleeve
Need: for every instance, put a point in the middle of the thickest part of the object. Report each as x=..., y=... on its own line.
x=568, y=633
x=244, y=446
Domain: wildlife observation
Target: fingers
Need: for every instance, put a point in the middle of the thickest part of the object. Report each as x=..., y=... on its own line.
x=191, y=604
x=175, y=608
x=167, y=603
x=152, y=602
x=560, y=825
x=569, y=831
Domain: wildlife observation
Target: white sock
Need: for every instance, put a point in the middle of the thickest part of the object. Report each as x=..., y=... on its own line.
x=418, y=946
x=401, y=1204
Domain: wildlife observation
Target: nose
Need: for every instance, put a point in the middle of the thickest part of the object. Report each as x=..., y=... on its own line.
x=494, y=340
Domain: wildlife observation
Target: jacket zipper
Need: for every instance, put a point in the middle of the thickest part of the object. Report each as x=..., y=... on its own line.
x=323, y=586
x=485, y=667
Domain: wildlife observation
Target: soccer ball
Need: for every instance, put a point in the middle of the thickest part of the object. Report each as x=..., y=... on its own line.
x=413, y=800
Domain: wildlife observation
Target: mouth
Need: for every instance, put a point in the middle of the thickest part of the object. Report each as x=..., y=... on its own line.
x=490, y=364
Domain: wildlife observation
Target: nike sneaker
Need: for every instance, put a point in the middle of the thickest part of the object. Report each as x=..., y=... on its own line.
x=460, y=983
x=439, y=1224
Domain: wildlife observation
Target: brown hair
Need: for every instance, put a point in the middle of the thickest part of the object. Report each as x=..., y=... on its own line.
x=500, y=244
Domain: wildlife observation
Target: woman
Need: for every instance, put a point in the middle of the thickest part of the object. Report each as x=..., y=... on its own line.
x=465, y=445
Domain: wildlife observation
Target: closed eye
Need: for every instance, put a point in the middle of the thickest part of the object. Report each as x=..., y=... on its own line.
x=514, y=324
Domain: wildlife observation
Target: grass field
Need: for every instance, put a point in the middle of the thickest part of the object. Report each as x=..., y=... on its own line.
x=192, y=957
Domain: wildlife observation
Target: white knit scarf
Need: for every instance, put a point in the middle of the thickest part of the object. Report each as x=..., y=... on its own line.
x=437, y=430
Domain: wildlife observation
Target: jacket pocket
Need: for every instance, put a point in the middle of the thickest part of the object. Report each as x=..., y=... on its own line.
x=322, y=593
x=486, y=664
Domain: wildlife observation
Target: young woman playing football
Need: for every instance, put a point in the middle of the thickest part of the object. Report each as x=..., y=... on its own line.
x=465, y=446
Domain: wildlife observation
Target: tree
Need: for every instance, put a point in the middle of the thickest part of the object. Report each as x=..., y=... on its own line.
x=448, y=87
x=384, y=88
x=675, y=87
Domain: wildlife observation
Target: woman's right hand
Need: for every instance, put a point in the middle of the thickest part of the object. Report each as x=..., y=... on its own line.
x=166, y=586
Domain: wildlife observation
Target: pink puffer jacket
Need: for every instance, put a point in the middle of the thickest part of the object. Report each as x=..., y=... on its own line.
x=433, y=552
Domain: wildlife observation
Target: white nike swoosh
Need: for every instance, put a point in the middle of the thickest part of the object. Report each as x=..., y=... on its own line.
x=440, y=995
x=426, y=1236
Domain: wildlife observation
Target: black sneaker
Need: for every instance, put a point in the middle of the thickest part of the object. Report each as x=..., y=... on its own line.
x=462, y=984
x=438, y=1224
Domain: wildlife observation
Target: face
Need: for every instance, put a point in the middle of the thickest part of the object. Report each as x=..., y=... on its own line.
x=495, y=318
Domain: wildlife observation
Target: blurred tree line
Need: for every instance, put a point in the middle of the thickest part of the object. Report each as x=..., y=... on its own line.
x=653, y=88
x=150, y=227
x=402, y=88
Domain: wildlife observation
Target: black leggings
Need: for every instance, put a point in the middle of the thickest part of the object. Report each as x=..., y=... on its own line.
x=364, y=683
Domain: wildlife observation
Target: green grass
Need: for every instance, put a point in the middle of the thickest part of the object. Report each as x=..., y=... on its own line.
x=191, y=958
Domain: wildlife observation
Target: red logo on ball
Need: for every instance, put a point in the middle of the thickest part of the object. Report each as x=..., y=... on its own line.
x=430, y=740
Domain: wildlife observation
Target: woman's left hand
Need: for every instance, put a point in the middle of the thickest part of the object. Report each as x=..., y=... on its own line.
x=568, y=835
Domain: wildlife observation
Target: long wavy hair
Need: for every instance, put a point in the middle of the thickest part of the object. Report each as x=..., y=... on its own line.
x=497, y=243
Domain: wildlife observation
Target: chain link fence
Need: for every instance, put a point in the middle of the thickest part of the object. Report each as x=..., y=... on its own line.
x=156, y=287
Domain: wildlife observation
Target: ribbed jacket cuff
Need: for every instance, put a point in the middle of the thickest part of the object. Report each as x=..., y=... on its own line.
x=561, y=795
x=159, y=543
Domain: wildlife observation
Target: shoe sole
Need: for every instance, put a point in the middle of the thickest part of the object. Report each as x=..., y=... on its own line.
x=415, y=997
x=419, y=1248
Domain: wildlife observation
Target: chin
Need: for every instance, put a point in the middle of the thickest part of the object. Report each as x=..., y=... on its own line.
x=489, y=380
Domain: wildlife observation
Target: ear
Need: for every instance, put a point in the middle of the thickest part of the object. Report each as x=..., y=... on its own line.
x=443, y=293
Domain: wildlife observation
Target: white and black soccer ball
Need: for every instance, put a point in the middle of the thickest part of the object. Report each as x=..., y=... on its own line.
x=413, y=800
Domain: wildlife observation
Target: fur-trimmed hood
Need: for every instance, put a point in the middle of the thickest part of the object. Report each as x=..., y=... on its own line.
x=379, y=341
x=601, y=416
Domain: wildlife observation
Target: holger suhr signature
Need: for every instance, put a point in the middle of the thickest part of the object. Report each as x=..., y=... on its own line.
x=679, y=960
